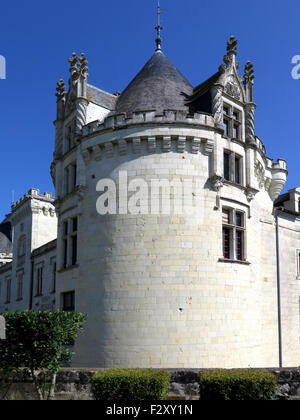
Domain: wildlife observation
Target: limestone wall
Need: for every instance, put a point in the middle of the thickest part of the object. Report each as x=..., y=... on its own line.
x=155, y=287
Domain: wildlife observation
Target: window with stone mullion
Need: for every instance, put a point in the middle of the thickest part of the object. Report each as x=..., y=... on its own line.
x=232, y=122
x=233, y=227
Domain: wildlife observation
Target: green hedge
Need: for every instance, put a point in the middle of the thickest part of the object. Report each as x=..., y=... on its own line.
x=130, y=384
x=237, y=384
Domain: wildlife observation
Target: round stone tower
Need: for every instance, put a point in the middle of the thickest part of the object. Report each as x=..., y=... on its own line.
x=164, y=194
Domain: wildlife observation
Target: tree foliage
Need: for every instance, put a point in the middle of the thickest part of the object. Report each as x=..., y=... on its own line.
x=38, y=343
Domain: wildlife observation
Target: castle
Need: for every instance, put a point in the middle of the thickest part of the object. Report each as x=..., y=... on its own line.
x=215, y=285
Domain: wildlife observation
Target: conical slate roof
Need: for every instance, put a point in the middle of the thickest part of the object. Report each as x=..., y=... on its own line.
x=5, y=238
x=158, y=86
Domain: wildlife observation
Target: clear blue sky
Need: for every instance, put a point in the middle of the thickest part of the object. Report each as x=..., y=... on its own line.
x=37, y=37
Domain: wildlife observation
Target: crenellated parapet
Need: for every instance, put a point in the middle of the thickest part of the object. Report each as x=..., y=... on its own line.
x=120, y=121
x=33, y=202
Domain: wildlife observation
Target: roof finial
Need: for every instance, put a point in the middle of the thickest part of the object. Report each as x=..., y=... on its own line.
x=158, y=27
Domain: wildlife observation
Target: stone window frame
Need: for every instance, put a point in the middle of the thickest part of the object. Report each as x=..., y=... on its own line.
x=64, y=296
x=53, y=267
x=21, y=250
x=70, y=242
x=69, y=136
x=39, y=274
x=232, y=120
x=234, y=175
x=234, y=228
x=8, y=289
x=20, y=285
x=70, y=177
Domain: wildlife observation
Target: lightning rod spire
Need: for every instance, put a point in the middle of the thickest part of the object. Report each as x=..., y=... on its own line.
x=158, y=27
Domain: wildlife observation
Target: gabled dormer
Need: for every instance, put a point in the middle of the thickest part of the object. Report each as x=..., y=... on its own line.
x=228, y=96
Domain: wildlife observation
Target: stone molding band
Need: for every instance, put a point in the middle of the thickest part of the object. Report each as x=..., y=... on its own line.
x=154, y=144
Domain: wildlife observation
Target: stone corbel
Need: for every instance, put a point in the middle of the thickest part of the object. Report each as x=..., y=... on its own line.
x=217, y=184
x=86, y=156
x=208, y=145
x=250, y=193
x=109, y=149
x=35, y=209
x=136, y=145
x=97, y=153
x=81, y=193
x=267, y=183
x=181, y=144
x=166, y=145
x=152, y=144
x=196, y=145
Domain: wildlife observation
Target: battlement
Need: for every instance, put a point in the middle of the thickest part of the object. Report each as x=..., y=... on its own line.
x=33, y=193
x=117, y=121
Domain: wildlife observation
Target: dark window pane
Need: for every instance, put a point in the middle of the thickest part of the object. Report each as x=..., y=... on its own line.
x=69, y=301
x=239, y=245
x=235, y=131
x=237, y=172
x=226, y=127
x=235, y=115
x=239, y=219
x=65, y=245
x=65, y=228
x=74, y=224
x=226, y=166
x=226, y=243
x=226, y=110
x=54, y=277
x=74, y=176
x=74, y=250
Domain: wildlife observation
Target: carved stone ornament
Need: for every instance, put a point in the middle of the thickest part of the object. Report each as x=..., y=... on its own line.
x=250, y=193
x=232, y=89
x=60, y=89
x=217, y=105
x=232, y=45
x=78, y=75
x=260, y=174
x=53, y=172
x=81, y=191
x=217, y=183
x=249, y=123
x=249, y=73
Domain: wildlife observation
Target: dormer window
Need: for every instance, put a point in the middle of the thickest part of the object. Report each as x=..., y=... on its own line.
x=69, y=133
x=232, y=122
